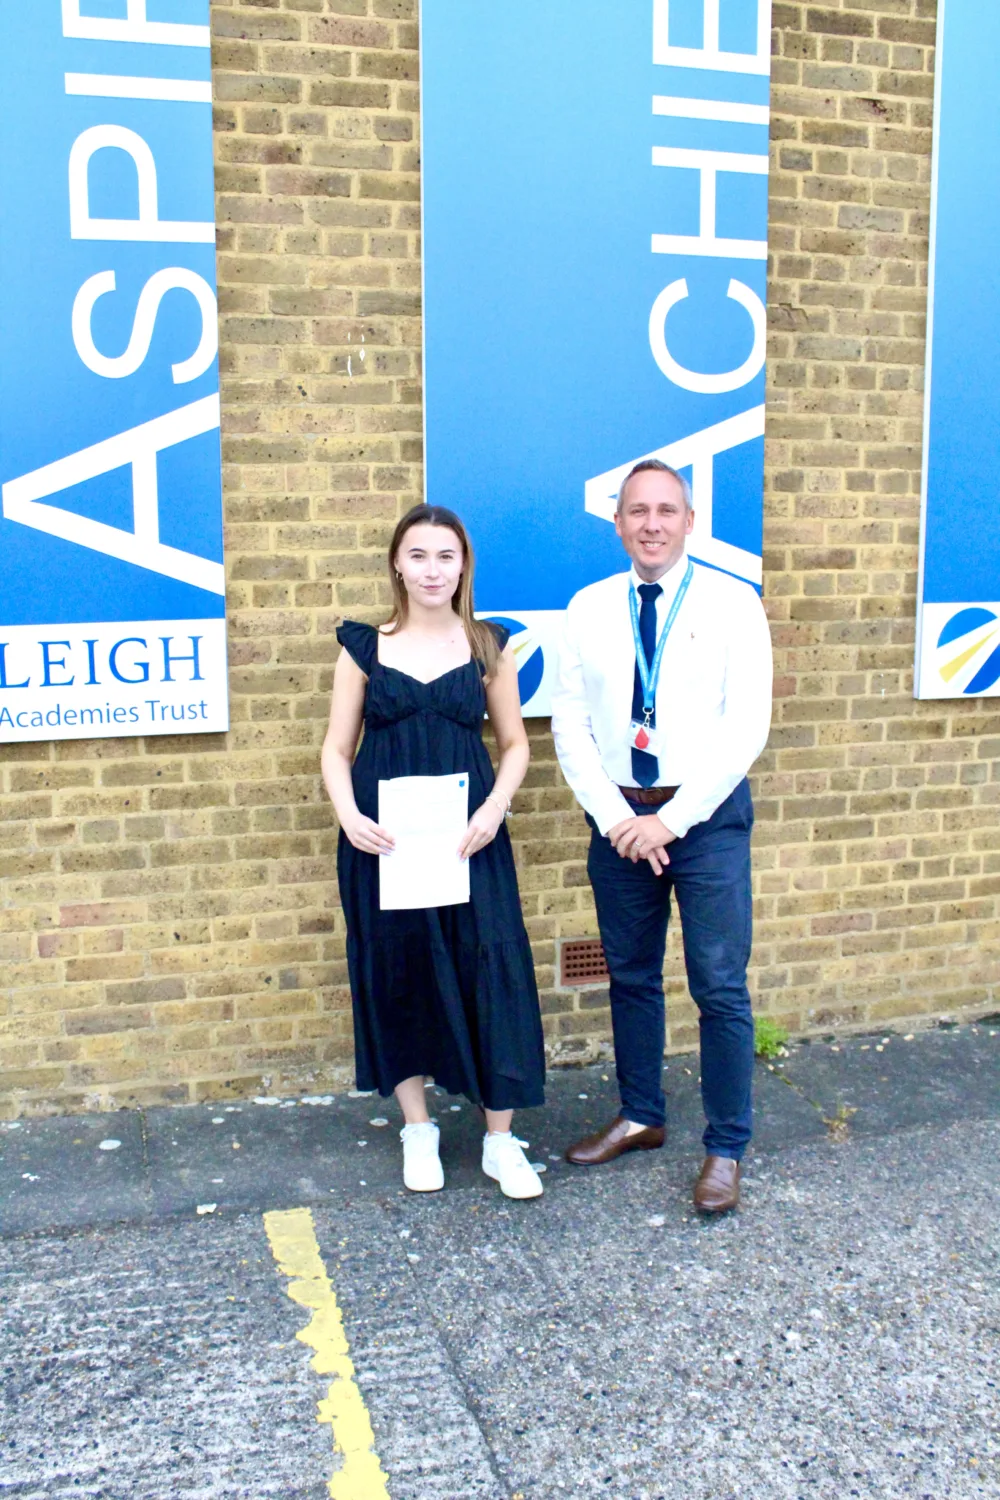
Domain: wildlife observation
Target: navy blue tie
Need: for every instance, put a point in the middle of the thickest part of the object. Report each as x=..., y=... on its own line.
x=645, y=767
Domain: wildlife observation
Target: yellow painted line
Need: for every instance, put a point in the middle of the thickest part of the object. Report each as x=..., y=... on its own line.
x=958, y=662
x=293, y=1243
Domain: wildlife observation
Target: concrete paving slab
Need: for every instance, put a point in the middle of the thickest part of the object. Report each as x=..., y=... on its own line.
x=830, y=1340
x=898, y=1081
x=82, y=1169
x=784, y=1116
x=256, y=1155
x=140, y=1365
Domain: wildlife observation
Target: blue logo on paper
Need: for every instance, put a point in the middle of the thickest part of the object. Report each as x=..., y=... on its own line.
x=968, y=634
x=527, y=653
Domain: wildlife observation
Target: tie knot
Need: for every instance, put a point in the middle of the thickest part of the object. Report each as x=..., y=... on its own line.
x=649, y=592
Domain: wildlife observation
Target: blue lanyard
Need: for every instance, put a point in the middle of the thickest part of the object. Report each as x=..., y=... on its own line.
x=649, y=676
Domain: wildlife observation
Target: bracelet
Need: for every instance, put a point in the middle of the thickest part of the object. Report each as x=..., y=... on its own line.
x=494, y=796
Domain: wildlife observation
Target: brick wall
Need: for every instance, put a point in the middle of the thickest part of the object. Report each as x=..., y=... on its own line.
x=169, y=926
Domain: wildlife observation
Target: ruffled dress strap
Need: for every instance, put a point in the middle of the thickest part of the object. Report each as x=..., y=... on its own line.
x=361, y=641
x=500, y=634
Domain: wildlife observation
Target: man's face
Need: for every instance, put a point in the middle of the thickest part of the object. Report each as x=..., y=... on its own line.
x=653, y=522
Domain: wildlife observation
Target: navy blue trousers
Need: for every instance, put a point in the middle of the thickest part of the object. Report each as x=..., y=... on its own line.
x=709, y=872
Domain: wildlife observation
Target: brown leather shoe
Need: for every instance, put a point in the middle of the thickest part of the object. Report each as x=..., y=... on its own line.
x=614, y=1141
x=717, y=1190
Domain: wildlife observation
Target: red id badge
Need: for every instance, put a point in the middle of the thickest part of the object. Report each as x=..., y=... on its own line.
x=642, y=737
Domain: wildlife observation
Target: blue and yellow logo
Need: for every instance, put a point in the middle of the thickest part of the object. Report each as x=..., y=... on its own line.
x=527, y=653
x=973, y=635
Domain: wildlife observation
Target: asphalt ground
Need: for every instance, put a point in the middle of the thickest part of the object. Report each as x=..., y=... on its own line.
x=839, y=1336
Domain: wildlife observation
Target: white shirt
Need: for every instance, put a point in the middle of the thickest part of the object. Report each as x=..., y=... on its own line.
x=713, y=700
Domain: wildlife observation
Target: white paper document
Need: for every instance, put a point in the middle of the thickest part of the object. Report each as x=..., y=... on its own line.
x=427, y=816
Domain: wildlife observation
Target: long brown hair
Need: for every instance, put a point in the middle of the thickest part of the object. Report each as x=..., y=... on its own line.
x=482, y=642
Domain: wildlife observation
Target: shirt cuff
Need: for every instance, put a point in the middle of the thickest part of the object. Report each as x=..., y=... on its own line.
x=672, y=817
x=611, y=810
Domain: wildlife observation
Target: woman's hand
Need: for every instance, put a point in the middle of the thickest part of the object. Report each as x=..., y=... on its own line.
x=482, y=830
x=367, y=835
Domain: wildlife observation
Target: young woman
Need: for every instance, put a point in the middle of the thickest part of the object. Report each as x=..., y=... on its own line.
x=448, y=991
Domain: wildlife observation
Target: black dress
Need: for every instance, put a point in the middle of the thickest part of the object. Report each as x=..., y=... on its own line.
x=449, y=990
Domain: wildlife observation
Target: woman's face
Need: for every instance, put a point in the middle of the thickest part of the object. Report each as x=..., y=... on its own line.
x=430, y=559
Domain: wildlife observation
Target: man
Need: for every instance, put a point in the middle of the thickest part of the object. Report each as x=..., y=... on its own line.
x=662, y=704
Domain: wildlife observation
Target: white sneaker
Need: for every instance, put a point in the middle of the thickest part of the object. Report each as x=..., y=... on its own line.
x=505, y=1161
x=422, y=1170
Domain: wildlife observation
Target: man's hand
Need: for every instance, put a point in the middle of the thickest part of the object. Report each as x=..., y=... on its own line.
x=643, y=838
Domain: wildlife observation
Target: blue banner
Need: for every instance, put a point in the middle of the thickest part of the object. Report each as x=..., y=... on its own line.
x=112, y=609
x=958, y=625
x=595, y=245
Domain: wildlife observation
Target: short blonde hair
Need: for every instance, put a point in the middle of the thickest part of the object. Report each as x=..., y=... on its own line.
x=656, y=466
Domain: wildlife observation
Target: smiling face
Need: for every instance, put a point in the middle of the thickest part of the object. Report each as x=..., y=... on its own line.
x=653, y=522
x=430, y=559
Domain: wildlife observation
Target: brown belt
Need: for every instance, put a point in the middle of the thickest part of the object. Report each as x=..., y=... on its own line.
x=649, y=796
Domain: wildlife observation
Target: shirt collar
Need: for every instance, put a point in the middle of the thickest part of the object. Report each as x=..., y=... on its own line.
x=669, y=582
